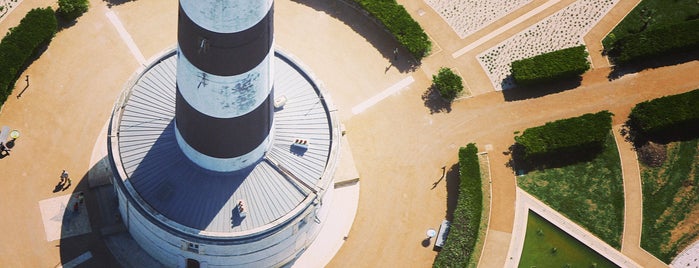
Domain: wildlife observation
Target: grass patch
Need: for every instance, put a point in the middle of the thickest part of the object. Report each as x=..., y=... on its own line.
x=651, y=14
x=546, y=245
x=669, y=199
x=589, y=193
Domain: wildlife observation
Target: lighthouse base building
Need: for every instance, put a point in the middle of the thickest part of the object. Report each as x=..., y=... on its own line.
x=262, y=215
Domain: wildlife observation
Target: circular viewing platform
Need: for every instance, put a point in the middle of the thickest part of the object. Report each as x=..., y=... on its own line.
x=173, y=191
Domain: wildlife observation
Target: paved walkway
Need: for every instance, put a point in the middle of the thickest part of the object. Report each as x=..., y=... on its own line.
x=633, y=204
x=399, y=146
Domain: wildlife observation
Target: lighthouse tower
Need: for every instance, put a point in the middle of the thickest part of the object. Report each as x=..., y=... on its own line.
x=224, y=109
x=223, y=149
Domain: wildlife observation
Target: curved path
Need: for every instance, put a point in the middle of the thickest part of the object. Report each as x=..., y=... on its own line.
x=399, y=146
x=633, y=200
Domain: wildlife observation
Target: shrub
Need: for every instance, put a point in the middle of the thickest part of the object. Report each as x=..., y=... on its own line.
x=72, y=9
x=679, y=37
x=586, y=133
x=463, y=231
x=34, y=31
x=551, y=67
x=667, y=115
x=398, y=22
x=447, y=83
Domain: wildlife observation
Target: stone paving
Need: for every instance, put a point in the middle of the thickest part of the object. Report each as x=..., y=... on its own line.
x=563, y=29
x=469, y=16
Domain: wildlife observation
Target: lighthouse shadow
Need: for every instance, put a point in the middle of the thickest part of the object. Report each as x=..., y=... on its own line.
x=170, y=183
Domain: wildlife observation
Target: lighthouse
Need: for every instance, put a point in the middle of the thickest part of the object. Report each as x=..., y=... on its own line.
x=224, y=107
x=223, y=148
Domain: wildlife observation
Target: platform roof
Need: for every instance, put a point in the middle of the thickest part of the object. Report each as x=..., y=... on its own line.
x=192, y=196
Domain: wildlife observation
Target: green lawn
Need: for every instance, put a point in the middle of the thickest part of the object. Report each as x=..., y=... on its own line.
x=669, y=196
x=651, y=14
x=545, y=245
x=589, y=193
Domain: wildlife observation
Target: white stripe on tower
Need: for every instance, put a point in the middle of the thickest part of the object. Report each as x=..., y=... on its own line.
x=225, y=85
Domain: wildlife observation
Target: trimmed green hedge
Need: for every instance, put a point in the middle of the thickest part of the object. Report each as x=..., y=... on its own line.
x=550, y=67
x=72, y=9
x=399, y=22
x=667, y=114
x=567, y=136
x=34, y=31
x=463, y=231
x=447, y=83
x=680, y=37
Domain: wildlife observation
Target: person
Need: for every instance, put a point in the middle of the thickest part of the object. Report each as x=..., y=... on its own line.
x=81, y=198
x=4, y=149
x=65, y=179
x=395, y=54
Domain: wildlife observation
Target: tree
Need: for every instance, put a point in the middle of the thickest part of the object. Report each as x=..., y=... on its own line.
x=447, y=83
x=72, y=9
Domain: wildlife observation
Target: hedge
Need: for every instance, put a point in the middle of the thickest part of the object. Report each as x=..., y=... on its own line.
x=667, y=114
x=463, y=231
x=567, y=136
x=34, y=31
x=680, y=37
x=72, y=9
x=550, y=67
x=399, y=23
x=447, y=83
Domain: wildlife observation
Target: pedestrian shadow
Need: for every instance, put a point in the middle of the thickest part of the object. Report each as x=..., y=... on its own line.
x=368, y=27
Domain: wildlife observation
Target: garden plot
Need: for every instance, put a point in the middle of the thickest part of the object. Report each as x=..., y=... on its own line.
x=563, y=29
x=467, y=17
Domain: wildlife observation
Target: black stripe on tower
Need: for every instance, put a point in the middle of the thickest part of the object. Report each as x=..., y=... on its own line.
x=225, y=54
x=224, y=137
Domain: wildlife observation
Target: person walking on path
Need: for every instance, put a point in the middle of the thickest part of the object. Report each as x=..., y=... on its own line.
x=395, y=54
x=81, y=198
x=65, y=180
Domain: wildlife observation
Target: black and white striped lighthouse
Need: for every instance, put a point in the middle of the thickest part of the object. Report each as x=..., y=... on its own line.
x=224, y=98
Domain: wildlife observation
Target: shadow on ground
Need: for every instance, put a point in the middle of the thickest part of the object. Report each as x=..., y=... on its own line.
x=111, y=3
x=367, y=28
x=452, y=177
x=529, y=92
x=521, y=165
x=667, y=60
x=434, y=102
x=91, y=244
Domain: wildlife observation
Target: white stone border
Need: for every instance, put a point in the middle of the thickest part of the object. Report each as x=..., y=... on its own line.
x=525, y=202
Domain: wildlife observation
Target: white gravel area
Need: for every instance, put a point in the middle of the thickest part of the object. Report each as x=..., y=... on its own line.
x=468, y=16
x=689, y=257
x=563, y=29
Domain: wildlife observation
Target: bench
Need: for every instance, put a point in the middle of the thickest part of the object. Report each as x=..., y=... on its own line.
x=442, y=234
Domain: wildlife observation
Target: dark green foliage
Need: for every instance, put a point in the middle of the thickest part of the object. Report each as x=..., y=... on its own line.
x=447, y=83
x=72, y=9
x=590, y=193
x=551, y=67
x=463, y=232
x=567, y=136
x=399, y=22
x=652, y=14
x=680, y=37
x=34, y=31
x=667, y=115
